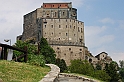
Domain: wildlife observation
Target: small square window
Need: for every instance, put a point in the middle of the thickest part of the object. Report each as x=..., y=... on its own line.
x=51, y=26
x=57, y=48
x=59, y=26
x=45, y=26
x=66, y=34
x=66, y=26
x=69, y=48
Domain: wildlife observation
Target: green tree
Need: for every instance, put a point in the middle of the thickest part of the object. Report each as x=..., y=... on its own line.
x=101, y=75
x=47, y=51
x=61, y=64
x=98, y=67
x=121, y=70
x=33, y=58
x=112, y=69
x=81, y=67
x=121, y=63
x=20, y=44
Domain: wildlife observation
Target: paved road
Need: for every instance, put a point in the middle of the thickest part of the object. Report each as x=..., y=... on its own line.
x=69, y=79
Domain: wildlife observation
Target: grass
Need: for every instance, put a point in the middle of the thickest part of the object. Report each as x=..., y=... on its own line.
x=11, y=71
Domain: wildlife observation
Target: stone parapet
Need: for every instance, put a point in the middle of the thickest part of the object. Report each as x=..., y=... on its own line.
x=52, y=75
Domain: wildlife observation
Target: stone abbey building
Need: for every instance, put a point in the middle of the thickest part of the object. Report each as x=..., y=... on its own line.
x=57, y=22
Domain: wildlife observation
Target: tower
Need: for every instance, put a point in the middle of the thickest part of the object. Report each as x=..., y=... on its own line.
x=57, y=22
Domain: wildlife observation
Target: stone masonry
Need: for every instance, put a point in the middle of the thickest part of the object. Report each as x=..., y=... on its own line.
x=57, y=22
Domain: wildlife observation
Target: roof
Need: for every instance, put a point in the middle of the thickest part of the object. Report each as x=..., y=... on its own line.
x=101, y=53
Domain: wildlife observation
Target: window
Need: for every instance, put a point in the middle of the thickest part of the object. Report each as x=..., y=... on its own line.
x=66, y=26
x=45, y=26
x=53, y=5
x=59, y=38
x=51, y=26
x=66, y=34
x=57, y=48
x=63, y=13
x=74, y=27
x=69, y=48
x=70, y=26
x=74, y=34
x=78, y=29
x=59, y=26
x=81, y=30
x=80, y=49
x=55, y=14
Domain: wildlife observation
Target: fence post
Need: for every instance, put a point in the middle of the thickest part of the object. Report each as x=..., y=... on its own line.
x=26, y=54
x=5, y=53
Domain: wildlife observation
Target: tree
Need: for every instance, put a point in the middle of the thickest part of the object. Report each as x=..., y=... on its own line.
x=47, y=51
x=20, y=44
x=61, y=64
x=33, y=58
x=121, y=63
x=112, y=69
x=98, y=67
x=121, y=70
x=101, y=75
x=81, y=67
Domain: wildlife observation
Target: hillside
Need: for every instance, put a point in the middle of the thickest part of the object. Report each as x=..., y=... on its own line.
x=11, y=71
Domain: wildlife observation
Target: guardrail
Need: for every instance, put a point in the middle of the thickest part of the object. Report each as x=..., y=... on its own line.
x=4, y=52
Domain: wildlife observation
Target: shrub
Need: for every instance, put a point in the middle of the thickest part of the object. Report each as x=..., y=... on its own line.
x=61, y=64
x=37, y=60
x=101, y=75
x=81, y=67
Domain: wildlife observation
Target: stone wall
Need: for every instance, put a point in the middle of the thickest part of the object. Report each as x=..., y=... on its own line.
x=52, y=75
x=69, y=53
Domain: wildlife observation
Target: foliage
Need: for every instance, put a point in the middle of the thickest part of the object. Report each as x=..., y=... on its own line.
x=101, y=75
x=61, y=64
x=47, y=51
x=85, y=68
x=81, y=67
x=20, y=44
x=33, y=58
x=11, y=71
x=121, y=63
x=121, y=70
x=98, y=67
x=111, y=69
x=37, y=60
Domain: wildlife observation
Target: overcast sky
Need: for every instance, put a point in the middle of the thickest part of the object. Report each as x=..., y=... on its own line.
x=103, y=22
